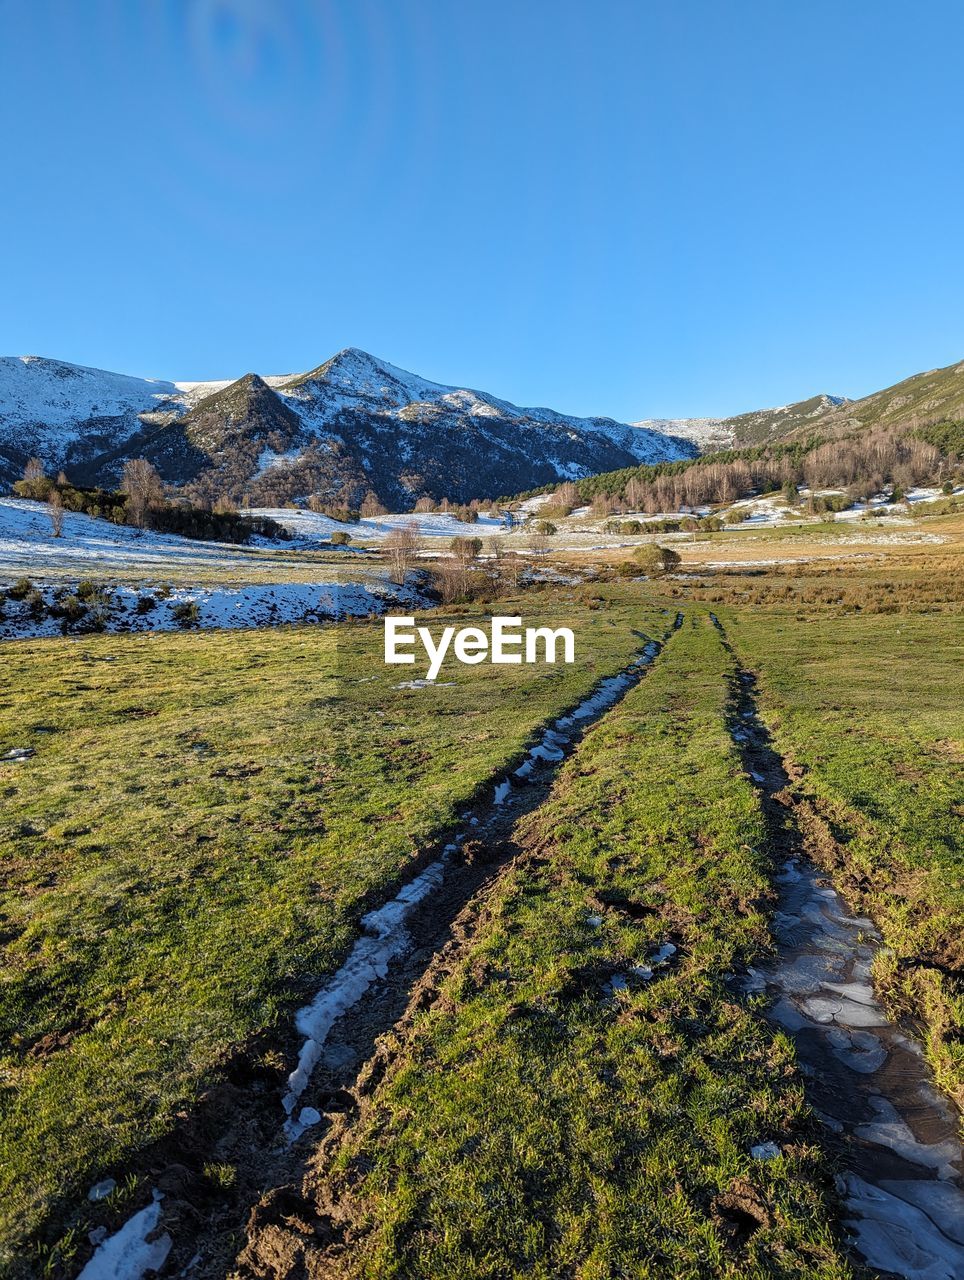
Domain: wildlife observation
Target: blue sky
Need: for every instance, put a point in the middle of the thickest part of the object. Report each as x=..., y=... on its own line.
x=607, y=206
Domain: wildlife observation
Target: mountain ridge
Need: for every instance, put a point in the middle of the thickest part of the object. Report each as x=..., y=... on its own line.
x=915, y=401
x=350, y=427
x=357, y=427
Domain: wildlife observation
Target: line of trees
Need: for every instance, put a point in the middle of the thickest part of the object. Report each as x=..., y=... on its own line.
x=862, y=464
x=142, y=502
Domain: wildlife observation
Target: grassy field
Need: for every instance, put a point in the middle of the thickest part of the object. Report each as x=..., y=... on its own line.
x=190, y=848
x=869, y=712
x=538, y=1121
x=207, y=816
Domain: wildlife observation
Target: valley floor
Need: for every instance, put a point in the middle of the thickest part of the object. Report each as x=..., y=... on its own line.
x=542, y=925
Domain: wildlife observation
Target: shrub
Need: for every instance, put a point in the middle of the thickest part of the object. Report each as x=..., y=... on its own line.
x=186, y=614
x=656, y=560
x=466, y=549
x=20, y=589
x=99, y=602
x=70, y=608
x=36, y=604
x=145, y=604
x=340, y=538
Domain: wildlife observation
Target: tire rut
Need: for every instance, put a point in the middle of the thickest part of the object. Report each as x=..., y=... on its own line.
x=894, y=1137
x=250, y=1134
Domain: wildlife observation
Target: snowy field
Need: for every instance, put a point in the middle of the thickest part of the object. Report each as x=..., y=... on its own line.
x=152, y=579
x=257, y=605
x=91, y=547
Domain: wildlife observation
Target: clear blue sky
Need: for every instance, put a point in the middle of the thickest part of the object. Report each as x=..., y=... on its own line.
x=610, y=206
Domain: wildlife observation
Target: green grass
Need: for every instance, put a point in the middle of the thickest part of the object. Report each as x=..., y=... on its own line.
x=189, y=850
x=532, y=1125
x=871, y=710
x=190, y=565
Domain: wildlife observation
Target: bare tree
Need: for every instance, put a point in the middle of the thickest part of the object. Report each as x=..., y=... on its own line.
x=466, y=549
x=511, y=568
x=371, y=506
x=55, y=509
x=401, y=546
x=144, y=490
x=34, y=470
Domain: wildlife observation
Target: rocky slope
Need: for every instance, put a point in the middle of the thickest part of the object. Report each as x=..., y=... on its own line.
x=758, y=427
x=351, y=426
x=919, y=401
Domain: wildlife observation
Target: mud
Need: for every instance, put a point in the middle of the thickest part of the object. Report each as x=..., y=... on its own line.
x=895, y=1138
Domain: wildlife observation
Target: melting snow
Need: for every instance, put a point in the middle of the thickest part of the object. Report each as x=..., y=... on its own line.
x=129, y=1253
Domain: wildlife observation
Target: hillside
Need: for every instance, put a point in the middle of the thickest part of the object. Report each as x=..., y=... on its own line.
x=353, y=425
x=918, y=401
x=746, y=429
x=62, y=412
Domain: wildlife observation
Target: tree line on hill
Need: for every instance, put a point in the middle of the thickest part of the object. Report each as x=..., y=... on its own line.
x=142, y=502
x=862, y=465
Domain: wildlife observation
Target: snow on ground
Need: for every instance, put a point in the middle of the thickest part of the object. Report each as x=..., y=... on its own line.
x=880, y=503
x=34, y=388
x=192, y=392
x=309, y=526
x=766, y=511
x=231, y=608
x=133, y=1250
x=218, y=577
x=27, y=543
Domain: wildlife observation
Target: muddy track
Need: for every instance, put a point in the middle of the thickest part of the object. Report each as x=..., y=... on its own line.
x=894, y=1137
x=263, y=1125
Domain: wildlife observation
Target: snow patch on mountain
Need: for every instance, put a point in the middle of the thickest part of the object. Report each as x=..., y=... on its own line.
x=706, y=433
x=48, y=405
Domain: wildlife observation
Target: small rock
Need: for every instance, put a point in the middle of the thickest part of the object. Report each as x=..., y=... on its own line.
x=101, y=1190
x=765, y=1151
x=594, y=922
x=97, y=1236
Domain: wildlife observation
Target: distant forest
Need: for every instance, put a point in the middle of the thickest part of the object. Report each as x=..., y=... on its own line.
x=862, y=465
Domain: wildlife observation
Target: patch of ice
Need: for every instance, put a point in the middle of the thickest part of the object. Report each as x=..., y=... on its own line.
x=898, y=1237
x=130, y=1253
x=386, y=938
x=890, y=1130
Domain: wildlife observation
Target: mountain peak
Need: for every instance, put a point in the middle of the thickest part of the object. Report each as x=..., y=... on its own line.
x=238, y=397
x=355, y=373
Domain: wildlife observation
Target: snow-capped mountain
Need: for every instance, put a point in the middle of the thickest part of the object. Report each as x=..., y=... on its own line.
x=758, y=427
x=58, y=411
x=352, y=425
